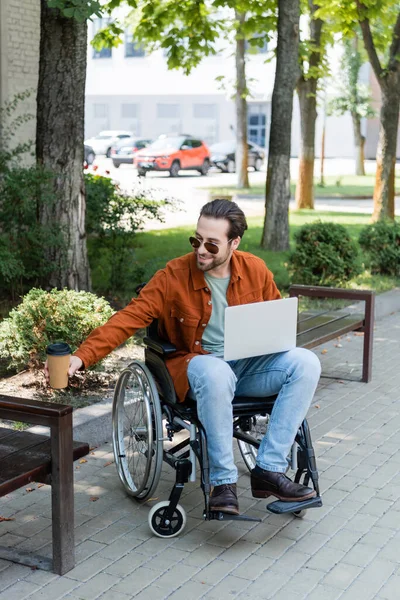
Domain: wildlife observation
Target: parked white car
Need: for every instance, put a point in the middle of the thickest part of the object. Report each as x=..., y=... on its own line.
x=103, y=142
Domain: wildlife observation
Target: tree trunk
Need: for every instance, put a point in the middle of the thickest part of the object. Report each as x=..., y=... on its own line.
x=59, y=140
x=307, y=93
x=359, y=142
x=277, y=195
x=241, y=110
x=386, y=154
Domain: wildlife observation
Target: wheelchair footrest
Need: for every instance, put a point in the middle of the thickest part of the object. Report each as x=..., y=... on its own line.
x=221, y=516
x=279, y=507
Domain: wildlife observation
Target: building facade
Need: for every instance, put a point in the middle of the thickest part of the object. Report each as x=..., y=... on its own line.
x=19, y=59
x=129, y=89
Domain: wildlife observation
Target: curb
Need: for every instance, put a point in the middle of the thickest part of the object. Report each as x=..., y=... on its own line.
x=93, y=424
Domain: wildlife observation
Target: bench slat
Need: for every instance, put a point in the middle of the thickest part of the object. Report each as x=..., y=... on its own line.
x=330, y=331
x=318, y=321
x=32, y=464
x=17, y=442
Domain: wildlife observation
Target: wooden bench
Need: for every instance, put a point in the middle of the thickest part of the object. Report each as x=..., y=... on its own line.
x=317, y=327
x=27, y=457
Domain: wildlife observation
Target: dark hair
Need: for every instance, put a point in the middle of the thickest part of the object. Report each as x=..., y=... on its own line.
x=226, y=209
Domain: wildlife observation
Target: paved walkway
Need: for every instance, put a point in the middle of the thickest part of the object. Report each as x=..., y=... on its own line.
x=348, y=549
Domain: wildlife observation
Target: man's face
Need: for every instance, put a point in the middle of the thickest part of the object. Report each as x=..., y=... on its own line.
x=215, y=231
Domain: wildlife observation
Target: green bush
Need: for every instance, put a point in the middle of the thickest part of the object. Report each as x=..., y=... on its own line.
x=112, y=219
x=324, y=255
x=23, y=240
x=47, y=317
x=381, y=243
x=24, y=193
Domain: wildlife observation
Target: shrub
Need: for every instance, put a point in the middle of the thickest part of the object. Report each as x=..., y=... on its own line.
x=324, y=255
x=381, y=243
x=24, y=241
x=112, y=219
x=24, y=193
x=46, y=317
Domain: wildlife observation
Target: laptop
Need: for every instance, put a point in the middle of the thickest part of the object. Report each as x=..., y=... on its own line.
x=260, y=328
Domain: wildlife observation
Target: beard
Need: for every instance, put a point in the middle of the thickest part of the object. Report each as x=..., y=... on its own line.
x=213, y=263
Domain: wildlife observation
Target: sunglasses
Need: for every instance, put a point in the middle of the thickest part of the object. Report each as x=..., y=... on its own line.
x=209, y=246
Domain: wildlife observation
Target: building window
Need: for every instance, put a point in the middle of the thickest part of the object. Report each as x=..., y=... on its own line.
x=204, y=111
x=257, y=124
x=129, y=111
x=100, y=111
x=168, y=111
x=97, y=25
x=132, y=48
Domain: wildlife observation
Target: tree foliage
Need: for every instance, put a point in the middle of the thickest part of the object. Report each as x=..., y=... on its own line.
x=352, y=95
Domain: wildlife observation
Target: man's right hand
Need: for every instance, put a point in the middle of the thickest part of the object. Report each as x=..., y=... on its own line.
x=75, y=363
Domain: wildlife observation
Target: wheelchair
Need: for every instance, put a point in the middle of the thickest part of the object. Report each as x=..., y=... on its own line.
x=146, y=414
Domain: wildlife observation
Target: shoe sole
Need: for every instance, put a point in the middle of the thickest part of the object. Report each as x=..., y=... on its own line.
x=265, y=494
x=224, y=509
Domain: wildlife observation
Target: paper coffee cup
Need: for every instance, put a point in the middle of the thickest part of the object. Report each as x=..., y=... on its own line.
x=58, y=356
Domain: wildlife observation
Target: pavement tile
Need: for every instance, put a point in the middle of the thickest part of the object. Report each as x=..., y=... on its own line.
x=22, y=589
x=190, y=590
x=112, y=595
x=300, y=585
x=239, y=551
x=125, y=565
x=136, y=581
x=151, y=592
x=325, y=559
x=370, y=581
x=390, y=591
x=252, y=567
x=214, y=572
x=229, y=587
x=361, y=554
x=88, y=568
x=56, y=589
x=176, y=576
x=324, y=592
x=275, y=547
x=202, y=556
x=342, y=575
x=264, y=587
x=93, y=588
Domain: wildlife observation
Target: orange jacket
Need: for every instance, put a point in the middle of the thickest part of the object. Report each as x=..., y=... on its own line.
x=179, y=298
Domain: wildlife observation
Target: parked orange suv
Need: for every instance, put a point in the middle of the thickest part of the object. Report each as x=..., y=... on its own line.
x=173, y=153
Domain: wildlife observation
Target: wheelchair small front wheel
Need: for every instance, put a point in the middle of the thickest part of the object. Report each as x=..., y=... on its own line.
x=164, y=527
x=299, y=514
x=137, y=431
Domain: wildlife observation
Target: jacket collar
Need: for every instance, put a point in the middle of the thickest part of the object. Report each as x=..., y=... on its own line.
x=198, y=279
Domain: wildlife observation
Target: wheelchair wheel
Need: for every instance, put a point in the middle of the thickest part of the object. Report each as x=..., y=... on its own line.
x=299, y=514
x=259, y=424
x=137, y=431
x=166, y=528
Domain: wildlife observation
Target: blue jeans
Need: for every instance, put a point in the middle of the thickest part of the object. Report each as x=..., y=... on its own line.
x=293, y=375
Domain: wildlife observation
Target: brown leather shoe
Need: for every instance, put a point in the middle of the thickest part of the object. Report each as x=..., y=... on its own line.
x=268, y=483
x=223, y=498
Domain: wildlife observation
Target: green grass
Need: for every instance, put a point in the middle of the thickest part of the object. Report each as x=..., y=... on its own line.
x=155, y=248
x=336, y=186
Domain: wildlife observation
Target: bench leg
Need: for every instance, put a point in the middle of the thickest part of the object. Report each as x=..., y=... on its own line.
x=368, y=338
x=62, y=496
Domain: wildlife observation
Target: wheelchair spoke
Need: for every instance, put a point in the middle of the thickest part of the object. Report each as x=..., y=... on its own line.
x=137, y=424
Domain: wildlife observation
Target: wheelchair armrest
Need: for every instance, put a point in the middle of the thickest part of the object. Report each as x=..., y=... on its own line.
x=158, y=345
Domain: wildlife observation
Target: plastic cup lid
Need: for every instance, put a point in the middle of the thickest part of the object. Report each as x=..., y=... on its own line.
x=58, y=349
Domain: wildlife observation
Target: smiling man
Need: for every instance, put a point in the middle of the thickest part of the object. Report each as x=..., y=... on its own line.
x=189, y=297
